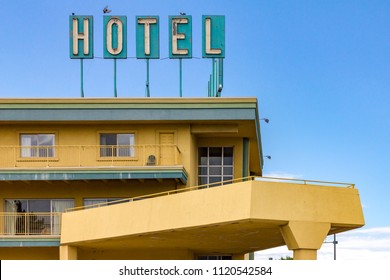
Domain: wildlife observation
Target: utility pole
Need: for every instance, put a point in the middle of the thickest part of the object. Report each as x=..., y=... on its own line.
x=334, y=242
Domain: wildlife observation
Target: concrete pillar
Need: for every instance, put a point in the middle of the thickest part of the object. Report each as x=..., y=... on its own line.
x=305, y=254
x=305, y=238
x=68, y=252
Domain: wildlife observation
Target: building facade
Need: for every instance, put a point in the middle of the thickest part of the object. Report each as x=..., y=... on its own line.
x=153, y=179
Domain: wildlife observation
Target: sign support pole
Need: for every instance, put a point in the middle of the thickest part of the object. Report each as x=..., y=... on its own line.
x=213, y=78
x=82, y=77
x=208, y=87
x=115, y=90
x=147, y=90
x=220, y=77
x=181, y=77
x=216, y=77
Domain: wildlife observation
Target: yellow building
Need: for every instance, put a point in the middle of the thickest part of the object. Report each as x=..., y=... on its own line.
x=140, y=179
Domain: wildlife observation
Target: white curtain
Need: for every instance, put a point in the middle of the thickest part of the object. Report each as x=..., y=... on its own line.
x=10, y=217
x=126, y=144
x=26, y=146
x=59, y=206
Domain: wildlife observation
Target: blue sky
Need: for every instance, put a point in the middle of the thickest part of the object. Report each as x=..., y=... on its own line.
x=320, y=71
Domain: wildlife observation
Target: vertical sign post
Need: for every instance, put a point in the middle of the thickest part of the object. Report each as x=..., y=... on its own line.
x=115, y=40
x=220, y=76
x=213, y=46
x=147, y=42
x=180, y=41
x=81, y=42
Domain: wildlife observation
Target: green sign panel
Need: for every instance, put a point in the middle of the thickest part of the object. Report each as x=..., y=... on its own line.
x=115, y=36
x=213, y=34
x=81, y=36
x=180, y=36
x=147, y=37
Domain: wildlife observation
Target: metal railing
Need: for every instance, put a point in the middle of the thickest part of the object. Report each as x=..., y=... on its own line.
x=27, y=224
x=88, y=156
x=304, y=182
x=217, y=184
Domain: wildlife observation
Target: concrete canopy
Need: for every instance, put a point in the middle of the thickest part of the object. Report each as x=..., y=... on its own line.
x=233, y=219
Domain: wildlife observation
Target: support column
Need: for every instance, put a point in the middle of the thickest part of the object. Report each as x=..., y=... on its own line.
x=305, y=254
x=68, y=252
x=305, y=238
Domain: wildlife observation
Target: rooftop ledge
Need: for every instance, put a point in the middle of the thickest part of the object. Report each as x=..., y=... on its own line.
x=129, y=100
x=128, y=109
x=55, y=102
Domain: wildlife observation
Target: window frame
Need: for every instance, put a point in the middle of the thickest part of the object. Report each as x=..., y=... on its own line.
x=50, y=200
x=222, y=166
x=37, y=148
x=132, y=148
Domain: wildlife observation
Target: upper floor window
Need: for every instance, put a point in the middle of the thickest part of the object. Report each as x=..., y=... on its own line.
x=37, y=145
x=215, y=164
x=117, y=144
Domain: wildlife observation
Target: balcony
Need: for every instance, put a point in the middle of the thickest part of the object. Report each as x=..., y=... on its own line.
x=29, y=224
x=88, y=156
x=30, y=229
x=81, y=162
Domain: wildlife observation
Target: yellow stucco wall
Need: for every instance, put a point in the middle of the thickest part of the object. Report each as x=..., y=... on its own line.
x=88, y=135
x=306, y=202
x=145, y=134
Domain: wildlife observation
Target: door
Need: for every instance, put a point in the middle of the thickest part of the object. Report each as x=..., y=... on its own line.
x=167, y=148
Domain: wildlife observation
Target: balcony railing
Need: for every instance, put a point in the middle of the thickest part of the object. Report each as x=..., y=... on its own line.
x=30, y=224
x=218, y=184
x=88, y=156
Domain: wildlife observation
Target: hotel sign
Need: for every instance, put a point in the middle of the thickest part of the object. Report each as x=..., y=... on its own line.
x=115, y=37
x=81, y=36
x=180, y=36
x=147, y=37
x=213, y=33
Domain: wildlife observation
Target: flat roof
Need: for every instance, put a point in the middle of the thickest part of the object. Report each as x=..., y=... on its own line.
x=127, y=109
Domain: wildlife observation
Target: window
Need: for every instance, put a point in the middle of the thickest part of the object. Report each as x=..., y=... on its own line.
x=117, y=145
x=34, y=216
x=215, y=164
x=37, y=145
